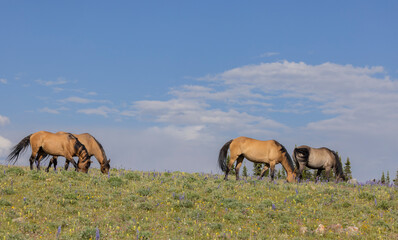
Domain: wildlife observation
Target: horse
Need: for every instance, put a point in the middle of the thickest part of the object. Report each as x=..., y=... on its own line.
x=46, y=143
x=94, y=148
x=318, y=158
x=269, y=152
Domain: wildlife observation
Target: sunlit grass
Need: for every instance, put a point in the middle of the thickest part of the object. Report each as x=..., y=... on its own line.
x=153, y=205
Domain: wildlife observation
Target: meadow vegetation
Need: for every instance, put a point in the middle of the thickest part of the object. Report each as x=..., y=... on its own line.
x=175, y=205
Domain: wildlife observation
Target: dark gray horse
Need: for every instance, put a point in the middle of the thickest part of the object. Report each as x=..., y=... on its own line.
x=318, y=158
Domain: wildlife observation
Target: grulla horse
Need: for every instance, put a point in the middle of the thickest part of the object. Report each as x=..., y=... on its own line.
x=318, y=158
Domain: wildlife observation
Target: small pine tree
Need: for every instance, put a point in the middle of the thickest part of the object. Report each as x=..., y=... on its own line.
x=388, y=177
x=383, y=178
x=279, y=174
x=257, y=167
x=244, y=173
x=305, y=174
x=396, y=179
x=347, y=169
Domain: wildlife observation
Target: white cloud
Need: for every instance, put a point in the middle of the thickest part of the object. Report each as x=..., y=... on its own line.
x=81, y=100
x=4, y=120
x=269, y=54
x=49, y=110
x=59, y=81
x=102, y=110
x=3, y=80
x=5, y=146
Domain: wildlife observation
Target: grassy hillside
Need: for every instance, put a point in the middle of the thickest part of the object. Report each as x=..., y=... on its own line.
x=153, y=205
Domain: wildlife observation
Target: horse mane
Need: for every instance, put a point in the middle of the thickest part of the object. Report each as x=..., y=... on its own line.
x=100, y=146
x=339, y=167
x=78, y=145
x=288, y=158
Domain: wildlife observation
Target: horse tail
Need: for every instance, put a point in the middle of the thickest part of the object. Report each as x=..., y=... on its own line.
x=287, y=155
x=223, y=156
x=338, y=166
x=294, y=157
x=18, y=149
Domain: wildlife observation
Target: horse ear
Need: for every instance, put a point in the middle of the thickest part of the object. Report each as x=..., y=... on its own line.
x=109, y=160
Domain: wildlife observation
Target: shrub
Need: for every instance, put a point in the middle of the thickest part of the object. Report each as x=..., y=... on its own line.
x=16, y=171
x=115, y=181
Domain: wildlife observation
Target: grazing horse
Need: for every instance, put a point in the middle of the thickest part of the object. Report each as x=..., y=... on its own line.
x=318, y=158
x=45, y=143
x=94, y=148
x=269, y=152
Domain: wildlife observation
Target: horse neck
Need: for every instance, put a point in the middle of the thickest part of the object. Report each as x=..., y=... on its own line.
x=98, y=153
x=286, y=165
x=82, y=151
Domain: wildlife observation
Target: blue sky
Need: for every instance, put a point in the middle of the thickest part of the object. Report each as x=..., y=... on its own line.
x=163, y=85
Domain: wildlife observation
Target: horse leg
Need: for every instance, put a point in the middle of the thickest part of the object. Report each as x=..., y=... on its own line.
x=39, y=157
x=318, y=173
x=32, y=160
x=238, y=165
x=327, y=173
x=301, y=169
x=266, y=166
x=68, y=160
x=50, y=163
x=272, y=167
x=232, y=159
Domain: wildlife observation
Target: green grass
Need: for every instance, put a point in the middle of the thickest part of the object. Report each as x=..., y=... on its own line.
x=152, y=205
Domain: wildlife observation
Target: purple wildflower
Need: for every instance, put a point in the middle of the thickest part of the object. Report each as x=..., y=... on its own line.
x=375, y=202
x=97, y=234
x=296, y=191
x=285, y=200
x=109, y=174
x=273, y=207
x=59, y=231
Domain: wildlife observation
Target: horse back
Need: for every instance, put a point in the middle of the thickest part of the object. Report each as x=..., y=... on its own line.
x=256, y=150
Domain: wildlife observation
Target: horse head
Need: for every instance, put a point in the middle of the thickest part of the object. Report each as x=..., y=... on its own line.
x=84, y=165
x=292, y=178
x=105, y=166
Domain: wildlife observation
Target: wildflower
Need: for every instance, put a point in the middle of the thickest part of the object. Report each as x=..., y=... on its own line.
x=97, y=234
x=296, y=191
x=58, y=231
x=375, y=202
x=273, y=207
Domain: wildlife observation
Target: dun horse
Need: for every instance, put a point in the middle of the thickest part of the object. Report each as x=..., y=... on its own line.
x=45, y=143
x=269, y=152
x=94, y=148
x=318, y=158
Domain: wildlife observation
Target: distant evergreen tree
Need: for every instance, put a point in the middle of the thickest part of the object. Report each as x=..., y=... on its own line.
x=283, y=173
x=306, y=174
x=244, y=171
x=279, y=174
x=396, y=179
x=257, y=167
x=388, y=177
x=347, y=169
x=383, y=178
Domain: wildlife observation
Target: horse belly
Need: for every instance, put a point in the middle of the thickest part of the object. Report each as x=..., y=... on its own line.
x=315, y=165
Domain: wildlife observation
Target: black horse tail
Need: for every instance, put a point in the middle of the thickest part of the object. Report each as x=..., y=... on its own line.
x=295, y=159
x=339, y=167
x=18, y=149
x=223, y=156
